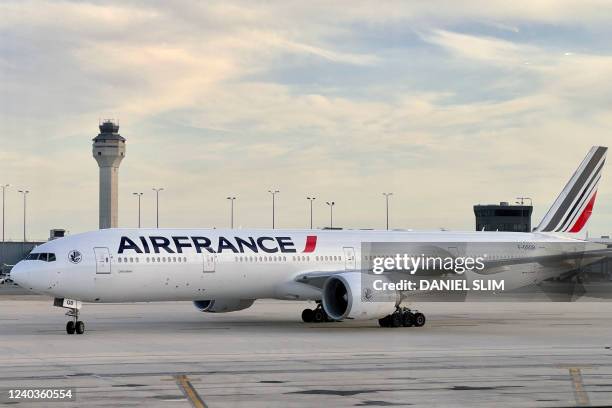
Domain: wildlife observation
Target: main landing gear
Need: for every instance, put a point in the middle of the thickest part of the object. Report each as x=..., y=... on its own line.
x=316, y=315
x=74, y=325
x=403, y=317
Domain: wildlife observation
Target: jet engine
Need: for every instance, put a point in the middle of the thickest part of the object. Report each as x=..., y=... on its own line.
x=222, y=305
x=350, y=295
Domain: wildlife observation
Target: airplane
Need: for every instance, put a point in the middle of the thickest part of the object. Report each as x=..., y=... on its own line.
x=225, y=270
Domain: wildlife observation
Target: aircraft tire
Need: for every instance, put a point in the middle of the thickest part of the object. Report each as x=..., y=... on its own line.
x=407, y=319
x=307, y=315
x=318, y=316
x=396, y=320
x=419, y=319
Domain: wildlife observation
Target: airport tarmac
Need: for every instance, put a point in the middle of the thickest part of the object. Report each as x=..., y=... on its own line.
x=171, y=355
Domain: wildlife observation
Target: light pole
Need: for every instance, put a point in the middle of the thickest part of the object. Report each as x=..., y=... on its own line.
x=273, y=192
x=4, y=187
x=25, y=193
x=311, y=199
x=139, y=195
x=232, y=211
x=387, y=204
x=331, y=213
x=157, y=190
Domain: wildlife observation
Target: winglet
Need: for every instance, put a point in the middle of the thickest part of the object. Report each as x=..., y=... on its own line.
x=573, y=207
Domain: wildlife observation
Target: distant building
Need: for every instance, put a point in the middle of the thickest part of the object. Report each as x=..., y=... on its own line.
x=57, y=233
x=503, y=217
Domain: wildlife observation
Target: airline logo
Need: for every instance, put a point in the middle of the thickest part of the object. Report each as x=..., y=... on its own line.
x=177, y=244
x=75, y=256
x=574, y=206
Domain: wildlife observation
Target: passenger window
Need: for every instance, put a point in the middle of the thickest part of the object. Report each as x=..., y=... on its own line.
x=119, y=259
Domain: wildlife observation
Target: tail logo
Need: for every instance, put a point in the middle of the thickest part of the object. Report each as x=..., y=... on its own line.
x=572, y=209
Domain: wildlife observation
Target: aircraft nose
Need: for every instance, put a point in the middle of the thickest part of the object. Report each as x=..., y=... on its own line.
x=20, y=274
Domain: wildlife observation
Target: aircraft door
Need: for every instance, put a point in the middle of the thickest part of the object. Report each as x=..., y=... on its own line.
x=209, y=263
x=349, y=258
x=103, y=264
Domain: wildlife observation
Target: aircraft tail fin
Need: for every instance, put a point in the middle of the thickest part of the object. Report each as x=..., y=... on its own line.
x=573, y=207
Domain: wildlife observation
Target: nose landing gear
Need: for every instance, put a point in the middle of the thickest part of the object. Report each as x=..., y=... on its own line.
x=74, y=325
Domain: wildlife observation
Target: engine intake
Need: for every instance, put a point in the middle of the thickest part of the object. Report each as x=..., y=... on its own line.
x=222, y=305
x=349, y=296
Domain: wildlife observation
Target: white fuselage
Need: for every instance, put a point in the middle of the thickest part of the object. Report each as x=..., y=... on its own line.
x=133, y=265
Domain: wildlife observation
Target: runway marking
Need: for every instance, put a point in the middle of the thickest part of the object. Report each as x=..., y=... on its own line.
x=580, y=394
x=192, y=395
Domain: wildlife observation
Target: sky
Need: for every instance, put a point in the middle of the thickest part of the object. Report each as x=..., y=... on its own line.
x=444, y=103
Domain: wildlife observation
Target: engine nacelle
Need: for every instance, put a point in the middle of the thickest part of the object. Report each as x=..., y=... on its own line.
x=345, y=298
x=222, y=305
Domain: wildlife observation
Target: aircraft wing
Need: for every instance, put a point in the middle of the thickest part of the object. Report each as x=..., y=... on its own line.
x=547, y=260
x=317, y=279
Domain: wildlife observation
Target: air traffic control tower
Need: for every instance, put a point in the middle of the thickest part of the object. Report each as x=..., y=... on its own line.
x=109, y=150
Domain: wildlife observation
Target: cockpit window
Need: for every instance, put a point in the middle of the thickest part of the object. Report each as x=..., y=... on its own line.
x=41, y=256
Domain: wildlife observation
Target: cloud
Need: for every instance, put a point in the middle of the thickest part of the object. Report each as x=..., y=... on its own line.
x=485, y=49
x=477, y=101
